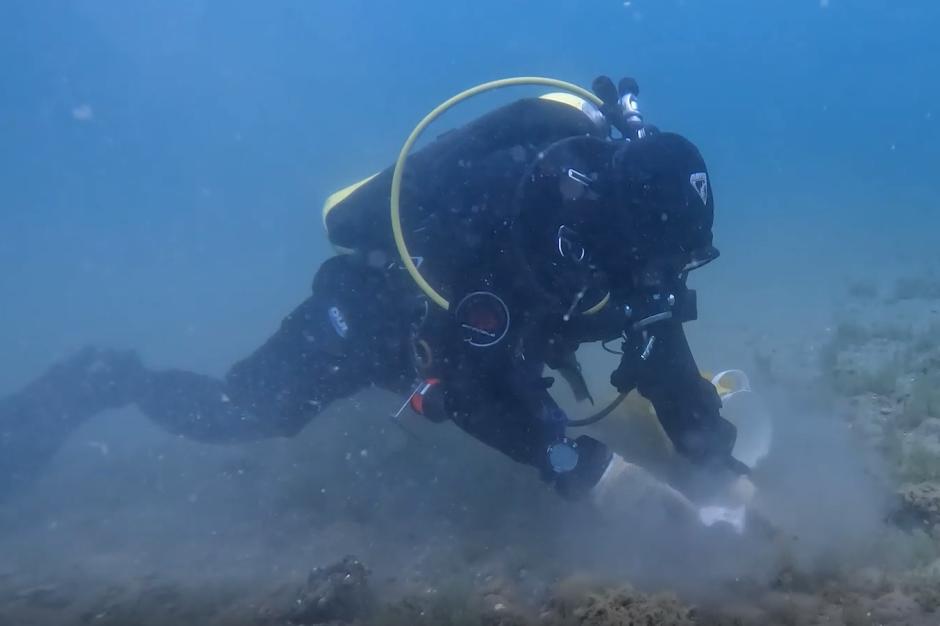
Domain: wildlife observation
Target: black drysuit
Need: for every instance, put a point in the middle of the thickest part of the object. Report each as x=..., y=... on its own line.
x=367, y=323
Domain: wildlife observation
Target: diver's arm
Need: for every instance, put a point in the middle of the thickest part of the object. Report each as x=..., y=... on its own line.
x=510, y=409
x=687, y=405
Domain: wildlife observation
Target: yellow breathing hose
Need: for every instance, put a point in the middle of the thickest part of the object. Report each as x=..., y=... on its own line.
x=399, y=172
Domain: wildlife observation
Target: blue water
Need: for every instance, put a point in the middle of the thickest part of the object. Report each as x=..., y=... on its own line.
x=163, y=161
x=162, y=169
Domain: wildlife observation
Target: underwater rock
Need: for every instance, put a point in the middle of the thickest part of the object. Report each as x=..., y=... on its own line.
x=921, y=501
x=338, y=593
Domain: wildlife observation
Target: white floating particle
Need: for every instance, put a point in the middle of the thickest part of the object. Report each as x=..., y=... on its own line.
x=83, y=113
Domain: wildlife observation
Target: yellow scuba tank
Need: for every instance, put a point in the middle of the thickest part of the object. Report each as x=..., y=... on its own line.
x=349, y=216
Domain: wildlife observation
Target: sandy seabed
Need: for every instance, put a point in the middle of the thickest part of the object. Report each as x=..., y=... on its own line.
x=359, y=521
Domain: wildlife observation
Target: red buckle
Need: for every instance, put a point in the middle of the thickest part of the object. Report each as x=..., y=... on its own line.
x=417, y=398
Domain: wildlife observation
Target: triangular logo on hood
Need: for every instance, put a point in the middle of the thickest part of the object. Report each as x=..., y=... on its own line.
x=699, y=182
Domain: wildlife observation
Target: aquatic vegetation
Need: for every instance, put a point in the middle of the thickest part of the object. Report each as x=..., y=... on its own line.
x=924, y=585
x=916, y=287
x=923, y=401
x=880, y=379
x=927, y=341
x=861, y=359
x=901, y=550
x=764, y=367
x=848, y=334
x=893, y=332
x=891, y=447
x=922, y=500
x=920, y=463
x=613, y=607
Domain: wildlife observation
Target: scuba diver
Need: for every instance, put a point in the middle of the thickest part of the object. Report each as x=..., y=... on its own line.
x=545, y=224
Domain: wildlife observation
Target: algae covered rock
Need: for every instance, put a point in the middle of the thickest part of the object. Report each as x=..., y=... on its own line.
x=626, y=606
x=858, y=359
x=335, y=594
x=922, y=501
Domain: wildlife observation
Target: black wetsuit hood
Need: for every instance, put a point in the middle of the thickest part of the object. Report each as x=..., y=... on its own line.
x=596, y=212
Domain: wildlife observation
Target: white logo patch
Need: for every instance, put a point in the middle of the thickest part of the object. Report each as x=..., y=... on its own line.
x=339, y=321
x=699, y=182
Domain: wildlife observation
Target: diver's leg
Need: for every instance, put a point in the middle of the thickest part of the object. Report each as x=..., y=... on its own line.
x=274, y=392
x=339, y=340
x=37, y=419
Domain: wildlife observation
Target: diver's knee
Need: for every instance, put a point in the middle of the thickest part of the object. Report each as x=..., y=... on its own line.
x=90, y=381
